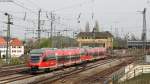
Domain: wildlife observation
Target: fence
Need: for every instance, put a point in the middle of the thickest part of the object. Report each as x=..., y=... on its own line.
x=139, y=75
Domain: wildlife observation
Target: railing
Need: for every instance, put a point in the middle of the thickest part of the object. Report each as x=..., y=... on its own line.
x=137, y=71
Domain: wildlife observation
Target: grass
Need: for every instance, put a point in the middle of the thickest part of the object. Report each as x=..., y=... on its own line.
x=13, y=61
x=141, y=79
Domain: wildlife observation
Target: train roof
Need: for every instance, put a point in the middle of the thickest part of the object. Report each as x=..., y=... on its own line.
x=42, y=50
x=37, y=51
x=49, y=48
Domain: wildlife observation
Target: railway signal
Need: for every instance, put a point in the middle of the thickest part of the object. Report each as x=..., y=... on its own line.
x=8, y=56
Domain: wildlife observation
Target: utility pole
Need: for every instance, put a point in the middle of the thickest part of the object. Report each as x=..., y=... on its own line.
x=8, y=56
x=39, y=25
x=52, y=20
x=144, y=37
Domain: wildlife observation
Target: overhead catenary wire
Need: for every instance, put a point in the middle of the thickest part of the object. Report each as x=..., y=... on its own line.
x=18, y=4
x=72, y=6
x=21, y=19
x=64, y=8
x=34, y=4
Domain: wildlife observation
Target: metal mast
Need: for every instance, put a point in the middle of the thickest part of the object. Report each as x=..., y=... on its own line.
x=8, y=56
x=144, y=37
x=39, y=25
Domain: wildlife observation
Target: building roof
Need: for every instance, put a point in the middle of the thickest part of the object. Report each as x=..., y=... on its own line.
x=2, y=41
x=97, y=34
x=16, y=42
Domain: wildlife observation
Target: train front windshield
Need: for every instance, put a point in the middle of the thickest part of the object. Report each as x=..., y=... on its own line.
x=35, y=58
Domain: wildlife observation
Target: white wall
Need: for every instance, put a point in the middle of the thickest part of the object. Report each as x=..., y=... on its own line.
x=3, y=50
x=17, y=51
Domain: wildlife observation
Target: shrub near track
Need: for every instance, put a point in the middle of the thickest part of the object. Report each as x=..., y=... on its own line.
x=1, y=62
x=15, y=61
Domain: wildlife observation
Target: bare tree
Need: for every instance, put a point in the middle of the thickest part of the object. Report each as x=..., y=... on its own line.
x=87, y=27
x=96, y=26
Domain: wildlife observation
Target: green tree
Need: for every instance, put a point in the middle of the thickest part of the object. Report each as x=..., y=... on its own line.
x=44, y=43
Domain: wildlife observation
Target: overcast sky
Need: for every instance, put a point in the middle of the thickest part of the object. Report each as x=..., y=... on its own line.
x=113, y=15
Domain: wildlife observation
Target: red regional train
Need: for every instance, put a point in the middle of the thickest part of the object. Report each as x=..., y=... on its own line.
x=48, y=59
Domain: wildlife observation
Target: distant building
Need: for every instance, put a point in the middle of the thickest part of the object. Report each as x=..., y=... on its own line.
x=95, y=39
x=16, y=47
x=138, y=44
x=2, y=47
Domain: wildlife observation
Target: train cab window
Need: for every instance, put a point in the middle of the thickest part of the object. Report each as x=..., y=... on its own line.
x=35, y=59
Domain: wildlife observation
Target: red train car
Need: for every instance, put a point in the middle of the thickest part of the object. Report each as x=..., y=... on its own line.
x=55, y=58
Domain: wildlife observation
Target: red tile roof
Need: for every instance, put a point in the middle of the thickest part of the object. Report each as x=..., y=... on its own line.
x=16, y=42
x=2, y=41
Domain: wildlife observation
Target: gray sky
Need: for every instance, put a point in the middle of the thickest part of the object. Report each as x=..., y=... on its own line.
x=111, y=15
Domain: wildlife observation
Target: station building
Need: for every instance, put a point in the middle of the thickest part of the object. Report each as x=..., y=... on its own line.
x=95, y=39
x=16, y=48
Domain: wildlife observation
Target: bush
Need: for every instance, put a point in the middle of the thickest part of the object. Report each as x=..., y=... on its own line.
x=1, y=62
x=15, y=61
x=24, y=58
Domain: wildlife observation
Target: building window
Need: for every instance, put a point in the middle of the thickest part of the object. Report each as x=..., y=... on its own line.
x=82, y=37
x=90, y=37
x=13, y=51
x=2, y=51
x=2, y=46
x=19, y=51
x=13, y=46
x=19, y=46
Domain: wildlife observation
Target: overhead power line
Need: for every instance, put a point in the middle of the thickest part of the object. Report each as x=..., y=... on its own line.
x=18, y=4
x=24, y=7
x=6, y=0
x=34, y=4
x=71, y=6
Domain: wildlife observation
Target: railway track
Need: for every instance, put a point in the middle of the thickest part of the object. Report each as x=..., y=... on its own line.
x=10, y=70
x=14, y=66
x=47, y=78
x=12, y=78
x=59, y=76
x=38, y=78
x=105, y=75
x=75, y=77
x=101, y=77
x=13, y=73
